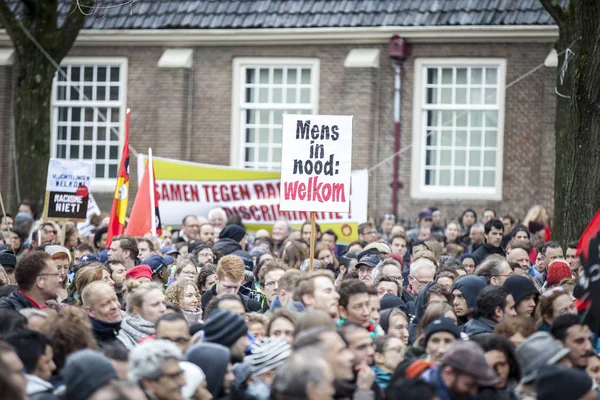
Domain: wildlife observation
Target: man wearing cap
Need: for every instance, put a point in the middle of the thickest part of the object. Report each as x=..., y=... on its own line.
x=493, y=305
x=465, y=292
x=229, y=330
x=524, y=293
x=8, y=261
x=536, y=351
x=439, y=336
x=423, y=221
x=367, y=262
x=462, y=371
x=159, y=267
x=124, y=248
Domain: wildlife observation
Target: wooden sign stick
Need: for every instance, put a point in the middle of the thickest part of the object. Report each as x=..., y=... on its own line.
x=312, y=240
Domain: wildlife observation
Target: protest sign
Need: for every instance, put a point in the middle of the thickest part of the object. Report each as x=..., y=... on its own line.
x=67, y=190
x=87, y=228
x=193, y=188
x=316, y=163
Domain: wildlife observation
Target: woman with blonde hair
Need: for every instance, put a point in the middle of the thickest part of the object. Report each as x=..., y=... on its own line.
x=145, y=305
x=185, y=294
x=325, y=255
x=535, y=216
x=87, y=275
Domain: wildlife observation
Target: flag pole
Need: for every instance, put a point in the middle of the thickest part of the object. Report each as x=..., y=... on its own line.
x=312, y=241
x=152, y=190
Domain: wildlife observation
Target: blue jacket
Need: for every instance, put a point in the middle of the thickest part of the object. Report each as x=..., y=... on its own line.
x=433, y=376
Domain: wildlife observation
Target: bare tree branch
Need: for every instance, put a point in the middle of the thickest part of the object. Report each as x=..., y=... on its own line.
x=9, y=22
x=555, y=10
x=74, y=22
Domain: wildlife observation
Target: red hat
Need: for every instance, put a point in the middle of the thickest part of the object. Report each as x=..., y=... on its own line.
x=558, y=270
x=141, y=271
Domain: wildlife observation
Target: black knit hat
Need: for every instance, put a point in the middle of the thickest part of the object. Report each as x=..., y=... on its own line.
x=441, y=325
x=224, y=327
x=234, y=232
x=556, y=382
x=520, y=287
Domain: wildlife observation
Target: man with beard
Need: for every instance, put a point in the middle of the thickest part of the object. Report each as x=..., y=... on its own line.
x=117, y=274
x=574, y=336
x=229, y=330
x=462, y=371
x=104, y=310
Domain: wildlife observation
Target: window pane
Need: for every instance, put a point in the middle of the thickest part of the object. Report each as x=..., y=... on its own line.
x=461, y=76
x=432, y=118
x=74, y=152
x=432, y=75
x=445, y=158
x=431, y=96
x=100, y=93
x=62, y=133
x=474, y=178
x=446, y=96
x=278, y=76
x=305, y=96
x=277, y=96
x=114, y=93
x=263, y=154
x=263, y=95
x=87, y=152
x=250, y=95
x=291, y=96
x=491, y=119
x=490, y=138
x=446, y=138
x=102, y=133
x=99, y=170
x=75, y=74
x=61, y=151
x=100, y=152
x=114, y=74
x=489, y=159
x=489, y=178
x=62, y=93
x=63, y=114
x=74, y=133
x=446, y=75
x=432, y=138
x=445, y=177
x=250, y=136
x=430, y=177
x=250, y=76
x=277, y=135
x=475, y=139
x=250, y=116
x=460, y=158
x=112, y=171
x=461, y=96
x=263, y=76
x=460, y=138
x=88, y=74
x=114, y=153
x=447, y=118
x=430, y=157
x=114, y=114
x=101, y=74
x=474, y=158
x=306, y=76
x=292, y=76
x=263, y=135
x=476, y=96
x=276, y=154
x=88, y=133
x=476, y=118
x=459, y=177
x=476, y=78
x=89, y=114
x=491, y=76
x=462, y=119
x=490, y=96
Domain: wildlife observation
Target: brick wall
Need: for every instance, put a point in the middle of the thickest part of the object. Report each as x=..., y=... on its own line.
x=159, y=97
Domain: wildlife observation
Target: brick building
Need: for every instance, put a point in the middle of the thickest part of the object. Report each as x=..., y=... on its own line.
x=208, y=81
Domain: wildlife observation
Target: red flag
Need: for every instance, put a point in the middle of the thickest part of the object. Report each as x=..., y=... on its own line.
x=116, y=226
x=588, y=234
x=140, y=220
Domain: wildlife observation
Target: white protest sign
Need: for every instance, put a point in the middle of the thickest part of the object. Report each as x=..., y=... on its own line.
x=86, y=228
x=316, y=163
x=67, y=189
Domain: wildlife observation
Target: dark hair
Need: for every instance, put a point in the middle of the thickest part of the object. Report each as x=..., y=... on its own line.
x=546, y=246
x=572, y=245
x=383, y=278
x=487, y=301
x=22, y=238
x=489, y=209
x=115, y=351
x=214, y=303
x=414, y=389
x=503, y=345
x=29, y=267
x=380, y=342
x=206, y=271
x=493, y=223
x=173, y=307
x=30, y=346
x=110, y=263
x=98, y=236
x=10, y=321
x=440, y=291
x=32, y=206
x=349, y=288
x=510, y=218
x=561, y=325
x=127, y=242
x=332, y=233
x=317, y=226
x=171, y=317
x=83, y=247
x=344, y=330
x=283, y=313
x=310, y=337
x=363, y=226
x=8, y=387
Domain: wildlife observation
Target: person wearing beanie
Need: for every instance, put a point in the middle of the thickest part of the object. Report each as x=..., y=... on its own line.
x=394, y=322
x=465, y=292
x=86, y=372
x=265, y=357
x=524, y=293
x=141, y=273
x=549, y=252
x=227, y=329
x=536, y=351
x=557, y=382
x=558, y=271
x=215, y=361
x=232, y=240
x=439, y=335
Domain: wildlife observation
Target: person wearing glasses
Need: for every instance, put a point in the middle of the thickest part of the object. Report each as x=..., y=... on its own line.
x=38, y=280
x=493, y=305
x=49, y=233
x=495, y=269
x=154, y=366
x=367, y=233
x=389, y=352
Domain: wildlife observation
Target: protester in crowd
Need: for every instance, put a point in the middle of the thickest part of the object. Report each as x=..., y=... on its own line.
x=492, y=244
x=465, y=292
x=86, y=373
x=159, y=266
x=37, y=278
x=154, y=366
x=264, y=358
x=553, y=303
x=13, y=382
x=500, y=356
x=558, y=272
x=230, y=330
x=495, y=269
x=285, y=290
x=102, y=306
x=62, y=258
x=476, y=237
x=366, y=264
x=174, y=328
x=572, y=257
x=316, y=291
x=524, y=293
x=282, y=325
x=124, y=249
x=81, y=250
x=268, y=277
x=593, y=368
x=100, y=238
x=556, y=382
x=548, y=252
x=432, y=312
x=206, y=278
x=389, y=352
x=232, y=241
x=141, y=273
x=422, y=272
x=439, y=335
x=354, y=305
x=468, y=262
x=576, y=337
x=257, y=325
x=493, y=304
x=185, y=294
x=144, y=306
x=85, y=276
x=215, y=361
x=516, y=329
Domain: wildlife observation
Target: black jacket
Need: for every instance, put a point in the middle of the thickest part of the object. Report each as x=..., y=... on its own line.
x=15, y=301
x=485, y=250
x=479, y=326
x=249, y=304
x=105, y=333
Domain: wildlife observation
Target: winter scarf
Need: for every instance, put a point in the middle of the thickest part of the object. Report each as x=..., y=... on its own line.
x=133, y=329
x=381, y=377
x=193, y=317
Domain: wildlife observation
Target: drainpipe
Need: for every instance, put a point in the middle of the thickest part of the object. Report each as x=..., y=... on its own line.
x=398, y=52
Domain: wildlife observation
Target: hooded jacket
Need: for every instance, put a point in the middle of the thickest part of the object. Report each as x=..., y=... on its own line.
x=15, y=301
x=485, y=250
x=520, y=287
x=227, y=246
x=420, y=306
x=470, y=286
x=249, y=304
x=212, y=359
x=479, y=326
x=39, y=389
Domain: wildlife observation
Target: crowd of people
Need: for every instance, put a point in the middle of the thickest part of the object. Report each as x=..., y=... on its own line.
x=449, y=309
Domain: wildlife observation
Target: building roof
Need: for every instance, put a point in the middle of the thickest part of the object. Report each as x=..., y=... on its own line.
x=250, y=14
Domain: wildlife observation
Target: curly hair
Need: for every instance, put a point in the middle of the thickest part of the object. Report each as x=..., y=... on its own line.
x=206, y=271
x=176, y=291
x=70, y=331
x=87, y=275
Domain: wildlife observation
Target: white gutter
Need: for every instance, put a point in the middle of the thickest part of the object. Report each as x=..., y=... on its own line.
x=298, y=36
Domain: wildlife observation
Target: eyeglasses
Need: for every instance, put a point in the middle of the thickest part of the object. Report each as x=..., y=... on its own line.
x=421, y=281
x=188, y=273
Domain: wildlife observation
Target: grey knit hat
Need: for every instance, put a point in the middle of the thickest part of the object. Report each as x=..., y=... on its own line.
x=224, y=327
x=268, y=355
x=85, y=372
x=537, y=350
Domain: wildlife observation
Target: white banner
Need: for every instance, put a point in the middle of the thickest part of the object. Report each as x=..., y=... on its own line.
x=316, y=163
x=67, y=189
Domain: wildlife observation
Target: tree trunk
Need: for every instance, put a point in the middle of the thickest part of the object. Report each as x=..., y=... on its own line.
x=32, y=122
x=577, y=177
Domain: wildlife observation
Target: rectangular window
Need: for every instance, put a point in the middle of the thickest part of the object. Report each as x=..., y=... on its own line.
x=458, y=128
x=88, y=113
x=264, y=90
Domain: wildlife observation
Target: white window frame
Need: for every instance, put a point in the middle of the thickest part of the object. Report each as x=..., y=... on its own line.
x=419, y=130
x=237, y=153
x=98, y=184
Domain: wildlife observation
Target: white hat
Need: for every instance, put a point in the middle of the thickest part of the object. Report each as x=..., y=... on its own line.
x=55, y=249
x=194, y=377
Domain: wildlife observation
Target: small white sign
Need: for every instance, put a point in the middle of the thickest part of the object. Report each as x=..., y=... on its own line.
x=316, y=163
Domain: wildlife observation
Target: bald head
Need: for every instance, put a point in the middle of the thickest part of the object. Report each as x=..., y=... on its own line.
x=520, y=257
x=93, y=290
x=101, y=302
